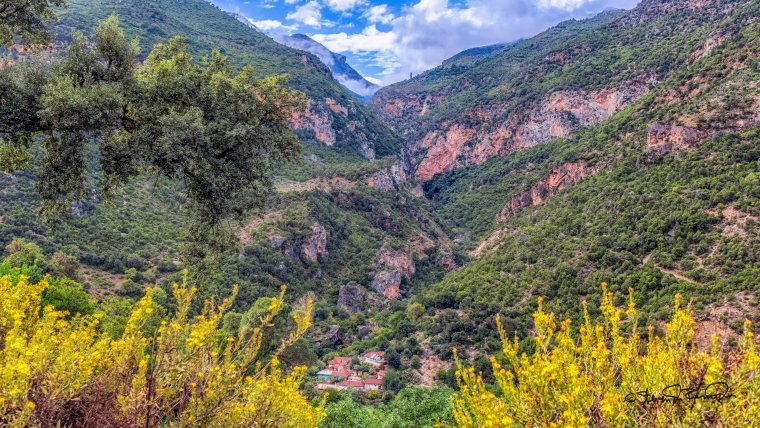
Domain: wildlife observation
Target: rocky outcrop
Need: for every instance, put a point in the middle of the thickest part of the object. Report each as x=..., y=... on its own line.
x=333, y=336
x=495, y=129
x=316, y=244
x=335, y=107
x=405, y=106
x=711, y=43
x=558, y=179
x=388, y=283
x=400, y=260
x=351, y=297
x=282, y=245
x=446, y=259
x=317, y=121
x=665, y=138
x=392, y=177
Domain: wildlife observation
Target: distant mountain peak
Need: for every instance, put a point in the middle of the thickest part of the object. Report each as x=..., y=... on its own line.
x=341, y=70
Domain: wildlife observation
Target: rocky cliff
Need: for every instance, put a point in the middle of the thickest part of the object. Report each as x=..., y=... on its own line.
x=316, y=245
x=558, y=179
x=567, y=78
x=498, y=129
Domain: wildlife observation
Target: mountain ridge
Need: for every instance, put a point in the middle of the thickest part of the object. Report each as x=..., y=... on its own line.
x=341, y=70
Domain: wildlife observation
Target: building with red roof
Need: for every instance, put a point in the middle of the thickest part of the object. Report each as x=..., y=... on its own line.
x=352, y=384
x=339, y=362
x=375, y=358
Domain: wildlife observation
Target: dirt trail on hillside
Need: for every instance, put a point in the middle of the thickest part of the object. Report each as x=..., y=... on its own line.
x=669, y=271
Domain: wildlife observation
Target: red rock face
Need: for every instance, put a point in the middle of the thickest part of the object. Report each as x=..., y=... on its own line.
x=558, y=179
x=316, y=245
x=400, y=260
x=316, y=120
x=388, y=283
x=663, y=138
x=497, y=129
x=337, y=108
x=407, y=106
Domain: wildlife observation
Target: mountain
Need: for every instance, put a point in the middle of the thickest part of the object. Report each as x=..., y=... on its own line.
x=336, y=221
x=341, y=71
x=569, y=77
x=619, y=150
x=658, y=194
x=334, y=118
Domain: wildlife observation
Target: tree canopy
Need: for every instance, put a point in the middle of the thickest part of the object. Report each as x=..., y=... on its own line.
x=216, y=131
x=26, y=21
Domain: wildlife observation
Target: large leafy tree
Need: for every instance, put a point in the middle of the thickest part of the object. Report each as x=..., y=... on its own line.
x=26, y=21
x=215, y=131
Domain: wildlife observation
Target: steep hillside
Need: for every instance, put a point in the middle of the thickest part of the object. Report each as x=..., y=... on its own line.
x=572, y=76
x=337, y=220
x=334, y=118
x=661, y=197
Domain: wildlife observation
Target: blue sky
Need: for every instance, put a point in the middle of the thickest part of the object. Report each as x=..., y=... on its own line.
x=387, y=40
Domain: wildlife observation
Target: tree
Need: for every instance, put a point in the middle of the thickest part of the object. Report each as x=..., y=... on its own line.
x=26, y=21
x=415, y=363
x=393, y=381
x=393, y=358
x=217, y=132
x=24, y=253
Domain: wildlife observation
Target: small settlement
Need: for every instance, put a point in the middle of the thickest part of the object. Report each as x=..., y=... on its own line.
x=340, y=375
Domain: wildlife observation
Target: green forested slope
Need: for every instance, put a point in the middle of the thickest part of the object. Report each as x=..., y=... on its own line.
x=662, y=221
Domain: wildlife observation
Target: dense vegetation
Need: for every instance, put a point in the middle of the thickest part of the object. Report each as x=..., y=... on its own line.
x=602, y=52
x=606, y=377
x=59, y=369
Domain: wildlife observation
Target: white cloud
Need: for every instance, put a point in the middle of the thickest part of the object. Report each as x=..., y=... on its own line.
x=561, y=4
x=430, y=31
x=271, y=24
x=343, y=5
x=379, y=14
x=309, y=14
x=369, y=40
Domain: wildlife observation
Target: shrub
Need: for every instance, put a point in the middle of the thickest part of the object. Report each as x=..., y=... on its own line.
x=606, y=378
x=56, y=371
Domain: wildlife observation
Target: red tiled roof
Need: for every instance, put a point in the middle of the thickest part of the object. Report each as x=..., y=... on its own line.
x=339, y=361
x=373, y=381
x=341, y=373
x=375, y=354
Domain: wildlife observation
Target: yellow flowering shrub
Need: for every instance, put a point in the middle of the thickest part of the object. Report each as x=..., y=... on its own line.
x=606, y=378
x=57, y=370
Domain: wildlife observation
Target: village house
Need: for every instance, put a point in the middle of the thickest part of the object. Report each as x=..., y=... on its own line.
x=339, y=374
x=376, y=359
x=372, y=384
